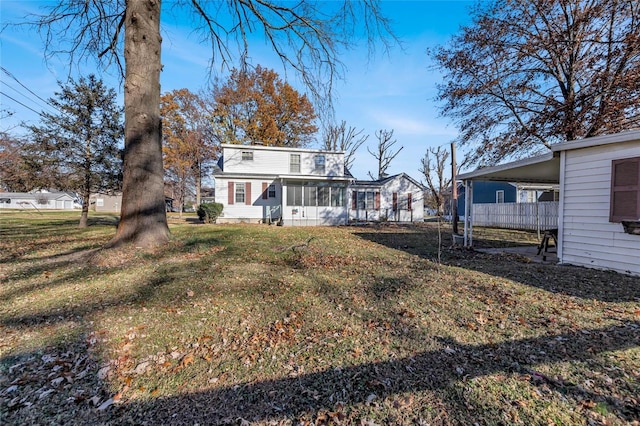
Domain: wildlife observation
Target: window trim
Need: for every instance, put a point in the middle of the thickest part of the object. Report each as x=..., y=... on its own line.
x=320, y=166
x=240, y=190
x=366, y=199
x=498, y=192
x=297, y=167
x=624, y=188
x=271, y=191
x=247, y=155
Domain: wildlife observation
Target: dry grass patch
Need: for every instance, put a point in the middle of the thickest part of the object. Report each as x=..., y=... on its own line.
x=269, y=325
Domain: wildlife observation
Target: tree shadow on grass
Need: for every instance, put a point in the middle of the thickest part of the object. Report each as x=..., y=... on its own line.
x=574, y=281
x=309, y=395
x=331, y=392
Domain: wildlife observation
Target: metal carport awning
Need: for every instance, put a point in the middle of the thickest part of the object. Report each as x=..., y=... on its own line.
x=542, y=169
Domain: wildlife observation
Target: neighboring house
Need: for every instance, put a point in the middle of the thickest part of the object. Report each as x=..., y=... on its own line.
x=512, y=205
x=291, y=186
x=599, y=197
x=111, y=203
x=488, y=192
x=37, y=200
x=397, y=198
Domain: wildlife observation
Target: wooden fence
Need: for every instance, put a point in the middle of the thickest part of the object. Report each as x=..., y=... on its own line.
x=542, y=215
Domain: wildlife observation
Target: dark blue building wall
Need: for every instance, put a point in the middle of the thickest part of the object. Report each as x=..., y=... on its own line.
x=485, y=192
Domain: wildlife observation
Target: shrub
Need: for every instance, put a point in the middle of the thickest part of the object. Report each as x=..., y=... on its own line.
x=209, y=212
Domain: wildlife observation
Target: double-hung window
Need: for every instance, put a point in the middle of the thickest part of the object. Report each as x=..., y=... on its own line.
x=247, y=155
x=294, y=163
x=319, y=163
x=240, y=193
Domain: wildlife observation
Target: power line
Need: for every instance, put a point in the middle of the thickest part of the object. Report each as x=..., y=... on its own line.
x=18, y=102
x=4, y=70
x=25, y=96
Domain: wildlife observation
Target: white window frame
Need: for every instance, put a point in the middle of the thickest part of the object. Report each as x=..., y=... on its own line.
x=271, y=191
x=294, y=166
x=320, y=161
x=240, y=195
x=247, y=155
x=498, y=194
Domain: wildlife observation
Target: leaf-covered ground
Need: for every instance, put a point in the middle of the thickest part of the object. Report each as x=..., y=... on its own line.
x=247, y=324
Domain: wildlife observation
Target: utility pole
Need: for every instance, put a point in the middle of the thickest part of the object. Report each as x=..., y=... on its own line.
x=454, y=189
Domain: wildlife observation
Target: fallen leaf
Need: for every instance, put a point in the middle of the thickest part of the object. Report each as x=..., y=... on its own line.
x=56, y=382
x=141, y=368
x=45, y=393
x=371, y=398
x=108, y=403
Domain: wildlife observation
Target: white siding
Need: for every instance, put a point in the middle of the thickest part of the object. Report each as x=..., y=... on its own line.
x=258, y=208
x=271, y=165
x=400, y=185
x=403, y=187
x=35, y=201
x=275, y=161
x=588, y=238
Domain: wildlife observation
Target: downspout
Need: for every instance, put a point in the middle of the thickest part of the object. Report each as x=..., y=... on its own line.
x=560, y=241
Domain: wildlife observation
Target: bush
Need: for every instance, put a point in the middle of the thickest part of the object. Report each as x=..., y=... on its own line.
x=209, y=212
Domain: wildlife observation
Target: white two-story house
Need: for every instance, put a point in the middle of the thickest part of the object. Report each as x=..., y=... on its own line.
x=289, y=186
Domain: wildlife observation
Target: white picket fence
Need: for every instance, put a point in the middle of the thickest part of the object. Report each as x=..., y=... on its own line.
x=542, y=215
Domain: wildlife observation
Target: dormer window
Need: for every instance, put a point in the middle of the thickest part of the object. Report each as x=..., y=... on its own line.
x=319, y=162
x=294, y=163
x=247, y=155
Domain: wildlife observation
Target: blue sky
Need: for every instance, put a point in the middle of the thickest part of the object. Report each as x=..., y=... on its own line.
x=386, y=91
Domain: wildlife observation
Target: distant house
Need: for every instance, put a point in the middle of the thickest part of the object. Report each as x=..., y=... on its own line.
x=488, y=192
x=37, y=201
x=599, y=198
x=397, y=198
x=107, y=203
x=485, y=192
x=290, y=186
x=112, y=203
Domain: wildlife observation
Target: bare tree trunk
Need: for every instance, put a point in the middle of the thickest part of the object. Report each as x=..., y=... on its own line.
x=198, y=186
x=143, y=218
x=84, y=216
x=86, y=189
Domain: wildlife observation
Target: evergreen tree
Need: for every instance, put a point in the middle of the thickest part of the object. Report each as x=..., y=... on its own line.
x=81, y=140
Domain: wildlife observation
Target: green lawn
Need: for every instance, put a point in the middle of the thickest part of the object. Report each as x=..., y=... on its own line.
x=247, y=324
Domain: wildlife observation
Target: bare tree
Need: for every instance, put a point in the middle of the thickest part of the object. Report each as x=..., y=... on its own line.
x=14, y=173
x=342, y=138
x=527, y=74
x=308, y=37
x=433, y=167
x=384, y=153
